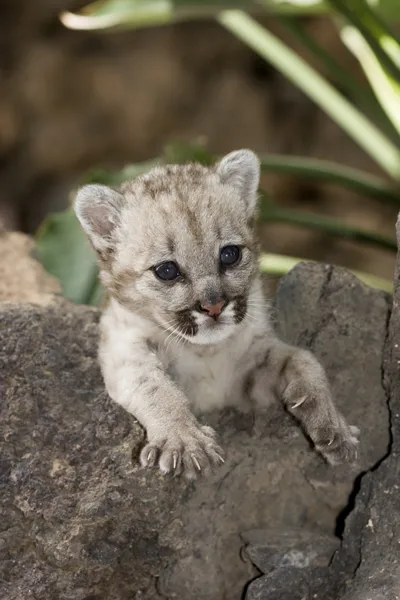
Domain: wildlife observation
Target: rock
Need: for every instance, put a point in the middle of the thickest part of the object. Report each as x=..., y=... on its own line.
x=274, y=586
x=22, y=278
x=368, y=565
x=336, y=331
x=280, y=549
x=294, y=561
x=80, y=520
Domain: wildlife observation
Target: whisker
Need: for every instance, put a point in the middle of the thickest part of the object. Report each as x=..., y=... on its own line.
x=174, y=336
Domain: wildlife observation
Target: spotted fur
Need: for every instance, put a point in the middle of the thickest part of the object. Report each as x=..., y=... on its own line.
x=163, y=357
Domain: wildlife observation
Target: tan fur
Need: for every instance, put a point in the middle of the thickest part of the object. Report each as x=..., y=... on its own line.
x=162, y=357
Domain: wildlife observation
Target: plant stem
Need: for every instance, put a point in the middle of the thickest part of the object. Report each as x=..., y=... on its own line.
x=272, y=214
x=316, y=87
x=339, y=73
x=321, y=170
x=307, y=168
x=276, y=264
x=359, y=17
x=386, y=89
x=380, y=23
x=360, y=94
x=153, y=13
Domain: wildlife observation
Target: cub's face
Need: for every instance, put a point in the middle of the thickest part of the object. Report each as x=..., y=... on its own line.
x=177, y=245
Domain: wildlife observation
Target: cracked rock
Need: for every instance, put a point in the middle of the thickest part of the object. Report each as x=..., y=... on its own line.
x=296, y=548
x=22, y=278
x=81, y=521
x=274, y=586
x=368, y=564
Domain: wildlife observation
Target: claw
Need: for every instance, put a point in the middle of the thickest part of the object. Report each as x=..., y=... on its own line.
x=175, y=460
x=196, y=462
x=220, y=457
x=300, y=402
x=151, y=456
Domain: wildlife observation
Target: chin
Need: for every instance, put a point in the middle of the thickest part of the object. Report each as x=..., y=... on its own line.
x=215, y=335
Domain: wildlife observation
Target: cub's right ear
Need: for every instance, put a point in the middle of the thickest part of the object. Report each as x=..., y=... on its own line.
x=98, y=209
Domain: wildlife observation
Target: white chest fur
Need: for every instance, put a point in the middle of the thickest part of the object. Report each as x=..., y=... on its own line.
x=212, y=376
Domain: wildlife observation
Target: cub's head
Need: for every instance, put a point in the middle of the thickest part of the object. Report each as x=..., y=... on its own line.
x=177, y=245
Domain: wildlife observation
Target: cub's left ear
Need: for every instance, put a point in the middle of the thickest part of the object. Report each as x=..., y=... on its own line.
x=241, y=169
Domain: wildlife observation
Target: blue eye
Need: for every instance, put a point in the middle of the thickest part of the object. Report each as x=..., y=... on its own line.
x=167, y=271
x=230, y=256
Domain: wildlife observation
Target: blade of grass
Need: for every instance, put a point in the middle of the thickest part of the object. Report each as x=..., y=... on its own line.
x=152, y=13
x=377, y=19
x=387, y=89
x=116, y=178
x=277, y=264
x=332, y=66
x=307, y=168
x=112, y=14
x=272, y=214
x=322, y=170
x=359, y=93
x=362, y=18
x=269, y=47
x=125, y=14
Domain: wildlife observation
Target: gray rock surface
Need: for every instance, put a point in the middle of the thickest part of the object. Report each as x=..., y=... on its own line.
x=81, y=521
x=368, y=565
x=22, y=278
x=270, y=549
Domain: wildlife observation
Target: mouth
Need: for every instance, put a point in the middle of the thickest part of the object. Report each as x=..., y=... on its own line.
x=206, y=329
x=212, y=324
x=213, y=331
x=200, y=328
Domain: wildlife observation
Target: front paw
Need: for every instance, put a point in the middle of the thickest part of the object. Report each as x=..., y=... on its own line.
x=333, y=438
x=307, y=397
x=341, y=444
x=190, y=449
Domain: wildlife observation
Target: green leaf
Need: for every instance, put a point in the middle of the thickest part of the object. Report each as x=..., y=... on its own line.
x=111, y=14
x=64, y=251
x=116, y=178
x=356, y=90
x=306, y=168
x=386, y=88
x=359, y=15
x=181, y=153
x=270, y=213
x=356, y=125
x=330, y=172
x=174, y=153
x=278, y=264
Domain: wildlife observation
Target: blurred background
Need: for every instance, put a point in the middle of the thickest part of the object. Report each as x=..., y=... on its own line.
x=101, y=92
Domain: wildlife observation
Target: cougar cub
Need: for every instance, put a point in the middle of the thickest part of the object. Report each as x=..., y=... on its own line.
x=187, y=327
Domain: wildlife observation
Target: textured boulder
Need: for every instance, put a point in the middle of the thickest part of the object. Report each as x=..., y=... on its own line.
x=279, y=549
x=368, y=565
x=81, y=521
x=22, y=278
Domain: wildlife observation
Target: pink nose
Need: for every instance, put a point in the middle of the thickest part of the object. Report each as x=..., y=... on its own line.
x=214, y=310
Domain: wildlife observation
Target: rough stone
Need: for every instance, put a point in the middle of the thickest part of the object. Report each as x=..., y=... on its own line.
x=274, y=586
x=280, y=549
x=80, y=520
x=368, y=565
x=22, y=278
